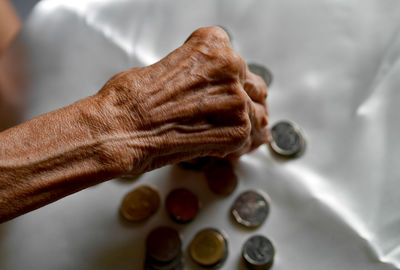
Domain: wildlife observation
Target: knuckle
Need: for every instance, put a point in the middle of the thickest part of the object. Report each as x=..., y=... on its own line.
x=241, y=106
x=212, y=37
x=262, y=87
x=237, y=99
x=218, y=33
x=236, y=59
x=233, y=61
x=227, y=63
x=212, y=33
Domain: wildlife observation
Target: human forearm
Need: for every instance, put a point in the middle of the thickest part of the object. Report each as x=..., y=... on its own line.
x=51, y=156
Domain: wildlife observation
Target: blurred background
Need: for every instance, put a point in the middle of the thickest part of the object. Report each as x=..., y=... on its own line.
x=23, y=7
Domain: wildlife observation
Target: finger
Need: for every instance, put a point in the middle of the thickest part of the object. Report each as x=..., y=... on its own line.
x=259, y=129
x=259, y=132
x=216, y=108
x=260, y=116
x=210, y=141
x=255, y=87
x=241, y=151
x=255, y=121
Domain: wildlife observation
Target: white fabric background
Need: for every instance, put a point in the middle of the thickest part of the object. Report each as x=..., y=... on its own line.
x=336, y=73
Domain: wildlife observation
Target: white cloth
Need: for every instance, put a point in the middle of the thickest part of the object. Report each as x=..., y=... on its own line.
x=336, y=74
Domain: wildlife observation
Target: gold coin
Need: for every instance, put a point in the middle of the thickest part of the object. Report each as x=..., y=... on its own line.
x=140, y=203
x=207, y=247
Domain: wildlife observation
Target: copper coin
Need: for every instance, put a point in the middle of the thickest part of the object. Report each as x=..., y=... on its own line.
x=140, y=203
x=221, y=177
x=163, y=245
x=182, y=205
x=208, y=248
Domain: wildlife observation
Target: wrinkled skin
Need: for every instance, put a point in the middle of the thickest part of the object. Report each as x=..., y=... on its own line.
x=200, y=100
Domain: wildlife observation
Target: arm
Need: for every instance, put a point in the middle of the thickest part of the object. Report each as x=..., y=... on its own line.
x=49, y=157
x=200, y=100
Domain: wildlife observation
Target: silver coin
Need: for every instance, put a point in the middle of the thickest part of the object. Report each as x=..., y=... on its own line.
x=250, y=209
x=261, y=71
x=287, y=139
x=258, y=252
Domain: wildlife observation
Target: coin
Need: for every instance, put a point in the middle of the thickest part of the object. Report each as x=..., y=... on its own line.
x=258, y=252
x=196, y=164
x=250, y=208
x=163, y=245
x=287, y=139
x=209, y=248
x=221, y=177
x=176, y=267
x=261, y=71
x=182, y=205
x=175, y=264
x=140, y=203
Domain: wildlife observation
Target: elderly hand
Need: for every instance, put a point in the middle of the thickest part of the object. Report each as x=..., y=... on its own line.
x=200, y=100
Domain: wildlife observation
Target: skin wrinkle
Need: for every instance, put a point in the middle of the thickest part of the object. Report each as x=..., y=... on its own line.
x=200, y=100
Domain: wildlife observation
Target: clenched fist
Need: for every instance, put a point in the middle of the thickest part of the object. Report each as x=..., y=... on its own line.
x=200, y=100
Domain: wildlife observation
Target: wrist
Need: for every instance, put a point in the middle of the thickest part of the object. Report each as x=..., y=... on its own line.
x=120, y=147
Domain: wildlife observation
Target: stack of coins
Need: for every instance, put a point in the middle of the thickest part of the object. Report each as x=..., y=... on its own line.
x=209, y=248
x=221, y=177
x=140, y=203
x=258, y=253
x=261, y=71
x=163, y=250
x=287, y=139
x=250, y=208
x=182, y=205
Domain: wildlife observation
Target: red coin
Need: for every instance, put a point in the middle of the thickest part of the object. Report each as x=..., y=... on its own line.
x=221, y=177
x=182, y=205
